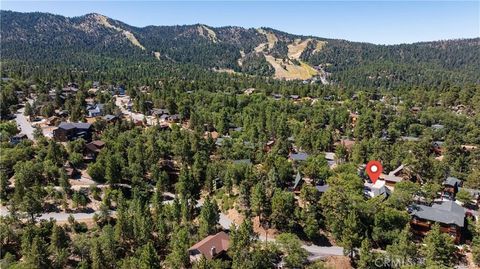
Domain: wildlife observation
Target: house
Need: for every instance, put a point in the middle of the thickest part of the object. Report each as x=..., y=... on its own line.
x=294, y=97
x=221, y=140
x=347, y=143
x=331, y=159
x=92, y=149
x=438, y=126
x=297, y=184
x=393, y=177
x=269, y=145
x=211, y=247
x=378, y=188
x=249, y=91
x=437, y=147
x=298, y=157
x=95, y=110
x=110, y=118
x=448, y=214
x=68, y=131
x=277, y=96
x=322, y=187
x=70, y=170
x=450, y=187
x=18, y=138
x=52, y=121
x=120, y=91
x=157, y=112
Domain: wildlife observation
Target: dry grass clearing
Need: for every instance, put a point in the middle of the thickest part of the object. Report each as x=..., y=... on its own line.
x=286, y=69
x=296, y=49
x=271, y=38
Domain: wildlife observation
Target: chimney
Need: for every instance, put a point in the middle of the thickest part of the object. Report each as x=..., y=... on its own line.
x=213, y=251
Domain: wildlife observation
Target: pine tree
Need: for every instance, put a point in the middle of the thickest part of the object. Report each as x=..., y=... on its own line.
x=36, y=257
x=209, y=217
x=403, y=250
x=178, y=257
x=351, y=238
x=58, y=246
x=96, y=255
x=366, y=255
x=109, y=246
x=148, y=257
x=439, y=248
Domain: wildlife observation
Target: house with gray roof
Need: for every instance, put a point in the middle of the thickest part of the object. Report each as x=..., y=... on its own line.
x=448, y=214
x=68, y=131
x=450, y=187
x=298, y=157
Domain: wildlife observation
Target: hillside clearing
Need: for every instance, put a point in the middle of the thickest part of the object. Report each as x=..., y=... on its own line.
x=286, y=69
x=103, y=21
x=296, y=49
x=208, y=33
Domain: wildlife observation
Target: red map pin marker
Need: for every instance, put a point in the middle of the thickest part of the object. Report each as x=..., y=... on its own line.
x=374, y=169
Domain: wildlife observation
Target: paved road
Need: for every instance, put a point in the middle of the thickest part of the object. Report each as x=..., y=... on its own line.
x=60, y=216
x=24, y=124
x=119, y=100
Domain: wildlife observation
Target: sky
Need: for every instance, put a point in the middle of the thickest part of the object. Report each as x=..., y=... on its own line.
x=379, y=22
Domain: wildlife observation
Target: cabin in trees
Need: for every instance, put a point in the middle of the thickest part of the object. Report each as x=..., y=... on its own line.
x=68, y=131
x=448, y=214
x=450, y=187
x=394, y=177
x=95, y=110
x=298, y=157
x=211, y=247
x=92, y=149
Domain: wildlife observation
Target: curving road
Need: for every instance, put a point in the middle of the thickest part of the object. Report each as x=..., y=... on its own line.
x=24, y=124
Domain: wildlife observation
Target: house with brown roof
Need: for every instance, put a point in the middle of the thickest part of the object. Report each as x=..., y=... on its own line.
x=210, y=247
x=92, y=149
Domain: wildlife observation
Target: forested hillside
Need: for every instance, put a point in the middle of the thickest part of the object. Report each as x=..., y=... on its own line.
x=93, y=43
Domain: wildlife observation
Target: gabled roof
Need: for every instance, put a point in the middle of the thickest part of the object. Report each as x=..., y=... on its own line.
x=109, y=117
x=301, y=156
x=322, y=188
x=452, y=181
x=392, y=178
x=220, y=242
x=330, y=156
x=298, y=178
x=446, y=212
x=396, y=171
x=73, y=125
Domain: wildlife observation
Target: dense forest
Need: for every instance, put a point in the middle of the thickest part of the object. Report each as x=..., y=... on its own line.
x=154, y=190
x=44, y=39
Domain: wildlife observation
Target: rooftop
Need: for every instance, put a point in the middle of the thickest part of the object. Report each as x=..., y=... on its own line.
x=220, y=242
x=446, y=212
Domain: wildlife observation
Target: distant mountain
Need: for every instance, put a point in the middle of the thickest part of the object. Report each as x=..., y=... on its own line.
x=50, y=40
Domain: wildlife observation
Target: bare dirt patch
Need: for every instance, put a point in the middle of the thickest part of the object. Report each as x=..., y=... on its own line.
x=296, y=48
x=208, y=33
x=338, y=262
